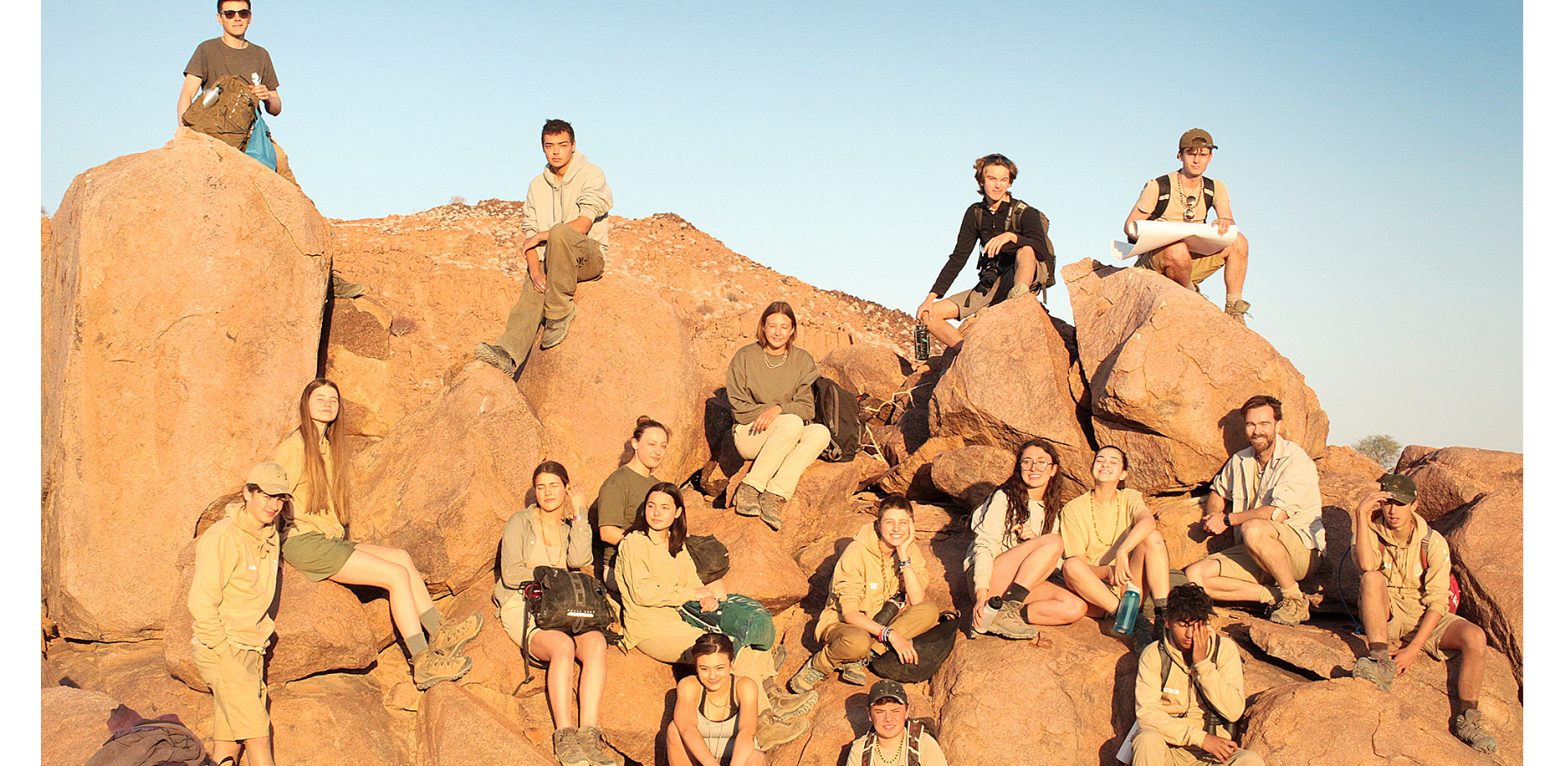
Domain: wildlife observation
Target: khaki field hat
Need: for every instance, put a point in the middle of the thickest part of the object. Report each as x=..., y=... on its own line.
x=1402, y=488
x=271, y=479
x=1196, y=138
x=888, y=690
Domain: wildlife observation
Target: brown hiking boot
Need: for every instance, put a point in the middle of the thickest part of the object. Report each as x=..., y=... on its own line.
x=745, y=501
x=555, y=330
x=431, y=667
x=452, y=638
x=1468, y=728
x=773, y=732
x=491, y=354
x=566, y=748
x=1291, y=610
x=788, y=706
x=1009, y=622
x=805, y=679
x=1376, y=671
x=854, y=673
x=769, y=505
x=594, y=746
x=1237, y=309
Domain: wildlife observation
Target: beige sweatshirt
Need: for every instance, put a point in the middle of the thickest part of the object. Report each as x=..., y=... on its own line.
x=1175, y=712
x=864, y=579
x=653, y=584
x=234, y=583
x=583, y=191
x=289, y=454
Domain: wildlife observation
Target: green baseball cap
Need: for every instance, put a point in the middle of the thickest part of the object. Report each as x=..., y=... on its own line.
x=1401, y=488
x=1196, y=138
x=271, y=478
x=888, y=690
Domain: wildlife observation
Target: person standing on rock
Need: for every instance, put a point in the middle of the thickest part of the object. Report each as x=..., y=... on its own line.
x=1269, y=493
x=1190, y=692
x=1111, y=540
x=769, y=383
x=1405, y=593
x=715, y=717
x=315, y=541
x=566, y=226
x=624, y=491
x=656, y=575
x=893, y=740
x=554, y=532
x=1186, y=195
x=1017, y=547
x=1016, y=256
x=881, y=567
x=236, y=563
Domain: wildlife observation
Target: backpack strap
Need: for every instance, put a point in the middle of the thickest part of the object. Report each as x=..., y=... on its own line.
x=1211, y=715
x=913, y=731
x=1163, y=202
x=1207, y=195
x=1015, y=214
x=866, y=750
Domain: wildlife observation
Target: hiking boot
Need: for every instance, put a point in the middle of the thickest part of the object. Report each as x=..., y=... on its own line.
x=778, y=654
x=1142, y=633
x=1018, y=291
x=769, y=505
x=594, y=746
x=774, y=732
x=854, y=673
x=555, y=330
x=805, y=678
x=1009, y=622
x=1468, y=729
x=341, y=288
x=1292, y=610
x=1236, y=310
x=566, y=748
x=431, y=667
x=487, y=352
x=452, y=638
x=788, y=706
x=745, y=500
x=1376, y=671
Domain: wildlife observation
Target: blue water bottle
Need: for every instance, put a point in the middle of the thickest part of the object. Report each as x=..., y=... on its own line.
x=1126, y=614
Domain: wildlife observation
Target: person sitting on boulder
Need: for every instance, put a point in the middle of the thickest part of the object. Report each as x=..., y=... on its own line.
x=565, y=223
x=656, y=575
x=230, y=599
x=1270, y=495
x=1016, y=257
x=1186, y=195
x=769, y=383
x=1190, y=691
x=624, y=491
x=1405, y=591
x=1017, y=547
x=893, y=739
x=555, y=532
x=1111, y=540
x=882, y=567
x=715, y=717
x=315, y=540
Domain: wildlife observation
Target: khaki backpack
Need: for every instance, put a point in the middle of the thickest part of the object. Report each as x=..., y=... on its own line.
x=229, y=116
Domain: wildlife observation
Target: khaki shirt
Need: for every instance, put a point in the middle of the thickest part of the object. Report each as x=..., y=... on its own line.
x=864, y=579
x=234, y=583
x=653, y=584
x=289, y=454
x=1093, y=532
x=1289, y=484
x=1175, y=711
x=931, y=752
x=1407, y=578
x=1176, y=209
x=993, y=538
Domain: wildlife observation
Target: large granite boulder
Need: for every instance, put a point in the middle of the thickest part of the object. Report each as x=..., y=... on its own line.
x=1486, y=542
x=1451, y=477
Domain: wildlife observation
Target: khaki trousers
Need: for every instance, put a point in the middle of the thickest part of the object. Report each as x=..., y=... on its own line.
x=848, y=643
x=780, y=453
x=1150, y=749
x=572, y=258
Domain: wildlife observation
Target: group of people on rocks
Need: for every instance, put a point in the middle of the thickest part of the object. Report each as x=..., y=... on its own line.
x=1036, y=559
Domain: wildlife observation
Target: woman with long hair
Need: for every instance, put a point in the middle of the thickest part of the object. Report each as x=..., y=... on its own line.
x=316, y=542
x=554, y=532
x=1111, y=540
x=1017, y=547
x=715, y=718
x=769, y=383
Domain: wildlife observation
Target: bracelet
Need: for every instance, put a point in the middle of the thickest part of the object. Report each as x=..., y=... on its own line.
x=1227, y=521
x=904, y=564
x=883, y=637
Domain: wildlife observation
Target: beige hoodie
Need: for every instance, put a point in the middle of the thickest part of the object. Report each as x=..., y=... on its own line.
x=1175, y=711
x=583, y=191
x=864, y=579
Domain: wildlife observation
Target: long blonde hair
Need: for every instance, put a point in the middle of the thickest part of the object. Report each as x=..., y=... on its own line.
x=314, y=460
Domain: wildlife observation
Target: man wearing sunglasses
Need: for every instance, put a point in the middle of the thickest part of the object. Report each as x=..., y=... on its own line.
x=231, y=54
x=1187, y=195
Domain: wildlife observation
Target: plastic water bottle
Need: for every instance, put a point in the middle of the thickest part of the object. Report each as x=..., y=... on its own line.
x=1126, y=614
x=988, y=612
x=923, y=342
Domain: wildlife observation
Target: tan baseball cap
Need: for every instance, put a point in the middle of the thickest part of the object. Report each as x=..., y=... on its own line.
x=1196, y=138
x=271, y=478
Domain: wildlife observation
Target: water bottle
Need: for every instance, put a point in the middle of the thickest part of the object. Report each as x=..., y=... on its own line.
x=923, y=342
x=211, y=95
x=989, y=610
x=1126, y=614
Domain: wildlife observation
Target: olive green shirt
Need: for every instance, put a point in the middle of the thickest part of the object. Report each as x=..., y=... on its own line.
x=754, y=383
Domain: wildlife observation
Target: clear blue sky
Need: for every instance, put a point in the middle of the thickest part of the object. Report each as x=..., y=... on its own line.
x=835, y=144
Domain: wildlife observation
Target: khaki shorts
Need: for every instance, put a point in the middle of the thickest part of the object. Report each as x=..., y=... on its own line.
x=1404, y=620
x=971, y=301
x=1238, y=563
x=316, y=555
x=238, y=695
x=1203, y=266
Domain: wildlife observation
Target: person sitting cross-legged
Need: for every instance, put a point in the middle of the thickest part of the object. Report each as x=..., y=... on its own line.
x=1111, y=540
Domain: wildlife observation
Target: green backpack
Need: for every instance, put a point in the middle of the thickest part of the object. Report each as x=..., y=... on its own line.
x=745, y=621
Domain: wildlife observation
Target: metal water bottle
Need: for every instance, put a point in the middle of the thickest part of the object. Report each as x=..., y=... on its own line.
x=989, y=611
x=923, y=342
x=1126, y=614
x=211, y=95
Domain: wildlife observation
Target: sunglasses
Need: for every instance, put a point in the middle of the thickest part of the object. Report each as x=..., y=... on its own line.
x=242, y=13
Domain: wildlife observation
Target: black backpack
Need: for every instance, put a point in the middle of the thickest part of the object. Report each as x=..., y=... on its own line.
x=1014, y=217
x=1164, y=196
x=709, y=555
x=838, y=408
x=932, y=649
x=572, y=602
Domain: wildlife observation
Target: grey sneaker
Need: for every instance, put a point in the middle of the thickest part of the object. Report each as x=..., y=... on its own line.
x=1291, y=610
x=1468, y=729
x=452, y=638
x=555, y=330
x=854, y=673
x=341, y=288
x=594, y=746
x=431, y=667
x=1375, y=671
x=1018, y=291
x=805, y=678
x=774, y=731
x=1009, y=622
x=491, y=354
x=791, y=706
x=566, y=748
x=745, y=501
x=1237, y=310
x=769, y=505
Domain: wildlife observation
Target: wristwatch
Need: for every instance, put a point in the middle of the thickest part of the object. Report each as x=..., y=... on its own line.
x=1227, y=521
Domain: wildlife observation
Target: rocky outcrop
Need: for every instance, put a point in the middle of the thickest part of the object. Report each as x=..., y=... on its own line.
x=1166, y=371
x=336, y=719
x=164, y=376
x=455, y=727
x=75, y=723
x=1449, y=478
x=1486, y=543
x=972, y=473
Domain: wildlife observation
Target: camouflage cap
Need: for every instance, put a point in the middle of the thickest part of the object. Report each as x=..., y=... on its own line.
x=1400, y=487
x=1196, y=138
x=890, y=690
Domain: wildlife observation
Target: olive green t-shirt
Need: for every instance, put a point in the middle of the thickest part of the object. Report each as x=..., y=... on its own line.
x=618, y=502
x=213, y=60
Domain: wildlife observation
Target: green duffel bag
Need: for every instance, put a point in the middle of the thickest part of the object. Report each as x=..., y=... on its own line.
x=745, y=621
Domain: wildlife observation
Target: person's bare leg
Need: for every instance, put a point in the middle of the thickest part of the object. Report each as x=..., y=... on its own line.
x=364, y=568
x=1260, y=537
x=1235, y=268
x=676, y=751
x=591, y=651
x=257, y=752
x=1221, y=588
x=1027, y=563
x=1049, y=604
x=1468, y=641
x=1156, y=563
x=420, y=595
x=1025, y=265
x=1088, y=581
x=938, y=323
x=222, y=748
x=1175, y=262
x=557, y=650
x=1374, y=608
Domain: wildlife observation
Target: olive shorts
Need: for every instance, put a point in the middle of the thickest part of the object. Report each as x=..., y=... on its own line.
x=316, y=555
